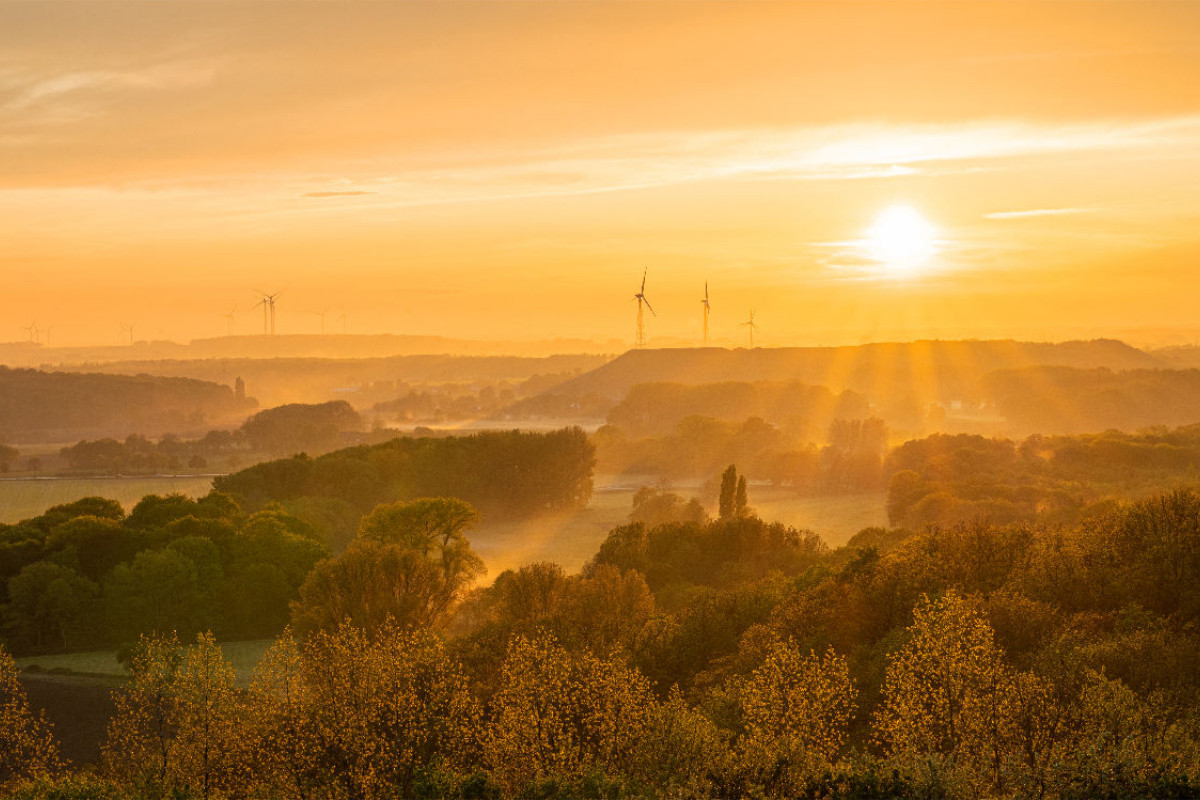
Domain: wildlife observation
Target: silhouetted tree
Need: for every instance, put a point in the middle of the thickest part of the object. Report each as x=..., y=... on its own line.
x=727, y=503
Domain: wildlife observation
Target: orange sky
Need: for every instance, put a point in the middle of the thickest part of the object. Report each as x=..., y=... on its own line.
x=496, y=169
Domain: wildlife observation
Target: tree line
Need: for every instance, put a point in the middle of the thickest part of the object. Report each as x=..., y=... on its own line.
x=49, y=406
x=286, y=429
x=502, y=473
x=726, y=657
x=86, y=575
x=945, y=479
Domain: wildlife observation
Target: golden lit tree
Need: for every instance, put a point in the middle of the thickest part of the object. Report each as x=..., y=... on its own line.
x=679, y=752
x=947, y=707
x=27, y=747
x=139, y=747
x=283, y=761
x=179, y=723
x=561, y=716
x=210, y=717
x=798, y=706
x=352, y=715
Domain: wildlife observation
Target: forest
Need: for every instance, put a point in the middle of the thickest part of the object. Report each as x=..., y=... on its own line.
x=720, y=656
x=1011, y=635
x=58, y=406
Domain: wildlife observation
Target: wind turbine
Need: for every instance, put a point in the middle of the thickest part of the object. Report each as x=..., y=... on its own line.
x=640, y=341
x=230, y=319
x=752, y=326
x=707, y=308
x=128, y=329
x=322, y=314
x=32, y=329
x=342, y=317
x=268, y=304
x=47, y=332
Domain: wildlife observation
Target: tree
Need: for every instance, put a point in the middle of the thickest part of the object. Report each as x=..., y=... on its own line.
x=741, y=504
x=947, y=698
x=728, y=497
x=100, y=543
x=210, y=751
x=160, y=591
x=369, y=584
x=353, y=715
x=797, y=708
x=49, y=603
x=27, y=748
x=139, y=745
x=410, y=562
x=654, y=506
x=563, y=717
x=604, y=608
x=178, y=723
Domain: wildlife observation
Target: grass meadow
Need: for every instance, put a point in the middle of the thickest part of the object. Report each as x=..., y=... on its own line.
x=22, y=498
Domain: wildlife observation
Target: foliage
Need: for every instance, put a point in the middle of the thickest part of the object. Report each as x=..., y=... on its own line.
x=506, y=473
x=300, y=427
x=348, y=715
x=798, y=707
x=562, y=716
x=55, y=404
x=27, y=748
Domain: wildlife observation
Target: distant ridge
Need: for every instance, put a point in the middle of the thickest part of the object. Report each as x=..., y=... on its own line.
x=939, y=368
x=27, y=354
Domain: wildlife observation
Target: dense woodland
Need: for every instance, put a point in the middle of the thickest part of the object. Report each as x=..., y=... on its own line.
x=58, y=406
x=86, y=575
x=702, y=652
x=283, y=430
x=503, y=473
x=726, y=657
x=948, y=479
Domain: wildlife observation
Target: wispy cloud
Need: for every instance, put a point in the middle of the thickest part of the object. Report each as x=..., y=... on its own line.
x=28, y=91
x=337, y=194
x=1037, y=212
x=814, y=153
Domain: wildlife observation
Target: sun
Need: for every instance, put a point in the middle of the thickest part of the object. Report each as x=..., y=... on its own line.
x=901, y=240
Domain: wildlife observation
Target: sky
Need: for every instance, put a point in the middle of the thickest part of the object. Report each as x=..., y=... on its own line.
x=505, y=170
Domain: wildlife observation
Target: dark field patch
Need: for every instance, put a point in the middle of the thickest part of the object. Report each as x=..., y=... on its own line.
x=79, y=708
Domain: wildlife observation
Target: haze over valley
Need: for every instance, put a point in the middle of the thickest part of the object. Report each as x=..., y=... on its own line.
x=572, y=400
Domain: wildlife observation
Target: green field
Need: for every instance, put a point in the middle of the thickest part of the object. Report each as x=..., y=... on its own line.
x=571, y=539
x=243, y=655
x=22, y=498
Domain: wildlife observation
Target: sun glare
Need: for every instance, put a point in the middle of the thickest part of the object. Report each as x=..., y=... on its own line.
x=901, y=240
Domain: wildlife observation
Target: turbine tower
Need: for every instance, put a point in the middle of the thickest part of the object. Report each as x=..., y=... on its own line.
x=230, y=319
x=707, y=308
x=640, y=341
x=268, y=304
x=322, y=314
x=127, y=329
x=752, y=326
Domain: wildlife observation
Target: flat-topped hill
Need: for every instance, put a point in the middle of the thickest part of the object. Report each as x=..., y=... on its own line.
x=924, y=368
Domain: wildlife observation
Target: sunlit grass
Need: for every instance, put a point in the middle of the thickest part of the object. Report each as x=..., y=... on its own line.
x=243, y=655
x=24, y=498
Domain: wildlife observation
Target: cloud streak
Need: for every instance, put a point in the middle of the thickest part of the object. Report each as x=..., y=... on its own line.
x=824, y=153
x=1037, y=212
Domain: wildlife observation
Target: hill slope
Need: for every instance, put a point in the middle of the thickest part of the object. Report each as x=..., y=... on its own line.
x=926, y=370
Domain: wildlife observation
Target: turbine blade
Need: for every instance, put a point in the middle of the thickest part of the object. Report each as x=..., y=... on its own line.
x=649, y=306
